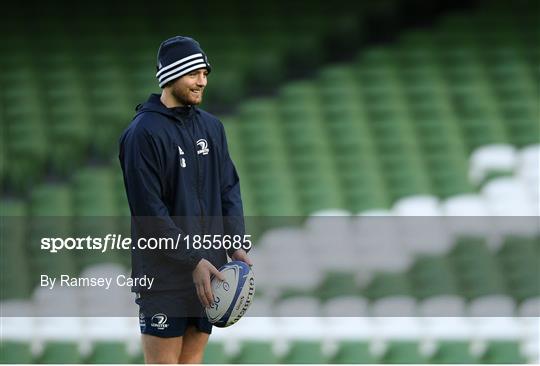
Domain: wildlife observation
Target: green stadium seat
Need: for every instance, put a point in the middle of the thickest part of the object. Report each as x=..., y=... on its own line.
x=305, y=352
x=219, y=91
x=15, y=278
x=15, y=352
x=104, y=352
x=11, y=207
x=93, y=192
x=337, y=284
x=68, y=134
x=256, y=352
x=477, y=271
x=25, y=140
x=503, y=352
x=454, y=352
x=138, y=358
x=51, y=208
x=215, y=353
x=338, y=75
x=403, y=352
x=96, y=209
x=51, y=200
x=387, y=284
x=60, y=352
x=432, y=276
x=520, y=264
x=353, y=352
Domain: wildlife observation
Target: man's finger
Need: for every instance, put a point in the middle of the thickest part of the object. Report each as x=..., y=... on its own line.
x=244, y=258
x=208, y=293
x=202, y=297
x=199, y=295
x=218, y=274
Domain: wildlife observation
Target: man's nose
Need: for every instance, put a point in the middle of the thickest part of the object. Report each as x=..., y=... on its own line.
x=201, y=80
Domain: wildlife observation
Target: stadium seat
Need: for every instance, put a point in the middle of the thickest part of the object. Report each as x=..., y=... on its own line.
x=215, y=353
x=337, y=284
x=476, y=269
x=487, y=161
x=60, y=352
x=527, y=172
x=353, y=352
x=417, y=206
x=530, y=307
x=15, y=352
x=518, y=258
x=15, y=280
x=51, y=206
x=397, y=305
x=138, y=358
x=455, y=352
x=108, y=352
x=442, y=305
x=256, y=352
x=345, y=306
x=387, y=284
x=492, y=305
x=432, y=277
x=503, y=352
x=305, y=352
x=403, y=352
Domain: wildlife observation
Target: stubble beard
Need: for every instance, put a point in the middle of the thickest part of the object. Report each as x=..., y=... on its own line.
x=184, y=97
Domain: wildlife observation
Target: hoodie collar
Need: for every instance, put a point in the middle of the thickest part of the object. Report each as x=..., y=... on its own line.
x=154, y=104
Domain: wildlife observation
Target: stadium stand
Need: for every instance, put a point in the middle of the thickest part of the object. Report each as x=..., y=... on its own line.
x=441, y=122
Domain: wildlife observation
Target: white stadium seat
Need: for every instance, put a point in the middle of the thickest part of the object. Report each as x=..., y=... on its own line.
x=491, y=306
x=442, y=306
x=528, y=171
x=345, y=306
x=421, y=205
x=17, y=322
x=491, y=158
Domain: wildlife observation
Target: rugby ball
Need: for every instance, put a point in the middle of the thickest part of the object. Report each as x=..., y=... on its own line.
x=232, y=296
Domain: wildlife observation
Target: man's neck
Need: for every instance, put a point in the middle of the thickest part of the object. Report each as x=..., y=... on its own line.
x=169, y=101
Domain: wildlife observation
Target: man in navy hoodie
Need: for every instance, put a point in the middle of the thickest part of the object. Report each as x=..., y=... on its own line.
x=180, y=181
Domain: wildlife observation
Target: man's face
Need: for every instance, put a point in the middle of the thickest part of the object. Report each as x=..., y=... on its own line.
x=188, y=90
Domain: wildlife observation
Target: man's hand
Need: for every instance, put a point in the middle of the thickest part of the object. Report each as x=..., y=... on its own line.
x=241, y=255
x=201, y=279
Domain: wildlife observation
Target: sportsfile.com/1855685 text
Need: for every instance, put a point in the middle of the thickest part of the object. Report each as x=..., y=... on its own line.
x=119, y=242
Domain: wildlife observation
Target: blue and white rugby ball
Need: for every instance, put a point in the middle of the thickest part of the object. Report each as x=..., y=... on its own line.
x=233, y=296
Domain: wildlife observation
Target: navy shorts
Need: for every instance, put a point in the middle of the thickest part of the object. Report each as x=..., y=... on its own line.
x=168, y=313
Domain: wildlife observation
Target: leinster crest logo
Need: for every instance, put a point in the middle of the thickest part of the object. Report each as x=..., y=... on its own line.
x=202, y=145
x=159, y=321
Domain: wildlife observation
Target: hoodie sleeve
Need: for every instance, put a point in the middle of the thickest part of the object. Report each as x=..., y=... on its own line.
x=142, y=165
x=231, y=201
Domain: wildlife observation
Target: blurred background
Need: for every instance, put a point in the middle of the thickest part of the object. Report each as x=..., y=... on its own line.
x=357, y=109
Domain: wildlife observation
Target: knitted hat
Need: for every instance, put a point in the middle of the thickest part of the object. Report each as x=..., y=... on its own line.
x=178, y=56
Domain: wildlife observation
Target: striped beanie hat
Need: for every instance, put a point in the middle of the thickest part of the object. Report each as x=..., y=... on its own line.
x=178, y=56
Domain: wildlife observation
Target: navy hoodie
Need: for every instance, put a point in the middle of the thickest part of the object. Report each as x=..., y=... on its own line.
x=179, y=180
